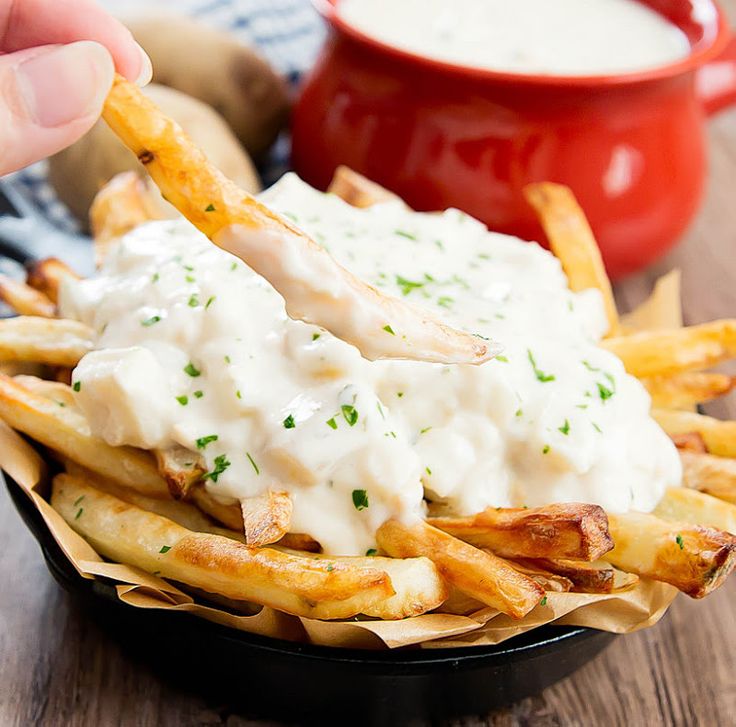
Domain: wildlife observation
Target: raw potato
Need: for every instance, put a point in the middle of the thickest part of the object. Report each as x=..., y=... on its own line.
x=214, y=67
x=78, y=173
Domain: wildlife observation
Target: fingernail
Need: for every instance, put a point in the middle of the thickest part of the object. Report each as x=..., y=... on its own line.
x=146, y=74
x=65, y=83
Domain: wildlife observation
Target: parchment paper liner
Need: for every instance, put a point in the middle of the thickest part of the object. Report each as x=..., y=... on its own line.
x=622, y=612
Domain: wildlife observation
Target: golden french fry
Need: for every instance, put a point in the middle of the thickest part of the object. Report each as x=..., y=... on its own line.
x=545, y=578
x=266, y=518
x=595, y=577
x=301, y=585
x=694, y=559
x=572, y=242
x=719, y=435
x=229, y=514
x=53, y=341
x=485, y=577
x=663, y=353
x=662, y=310
x=180, y=468
x=685, y=390
x=689, y=442
x=24, y=299
x=123, y=204
x=56, y=391
x=690, y=506
x=357, y=190
x=569, y=530
x=67, y=432
x=46, y=275
x=328, y=296
x=713, y=475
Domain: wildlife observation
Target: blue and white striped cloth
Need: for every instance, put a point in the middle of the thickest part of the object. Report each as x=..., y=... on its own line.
x=288, y=33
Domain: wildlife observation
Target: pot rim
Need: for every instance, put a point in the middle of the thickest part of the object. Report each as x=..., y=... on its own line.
x=716, y=36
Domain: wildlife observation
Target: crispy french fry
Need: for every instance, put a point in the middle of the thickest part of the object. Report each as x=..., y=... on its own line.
x=266, y=518
x=662, y=310
x=300, y=541
x=683, y=391
x=545, y=578
x=329, y=295
x=689, y=442
x=180, y=468
x=713, y=475
x=357, y=190
x=46, y=275
x=572, y=242
x=595, y=577
x=24, y=299
x=123, y=204
x=301, y=585
x=570, y=530
x=417, y=581
x=54, y=341
x=228, y=514
x=485, y=577
x=67, y=432
x=694, y=559
x=56, y=391
x=719, y=435
x=664, y=353
x=690, y=506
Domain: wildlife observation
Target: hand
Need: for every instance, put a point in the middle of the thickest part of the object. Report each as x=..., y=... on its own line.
x=58, y=61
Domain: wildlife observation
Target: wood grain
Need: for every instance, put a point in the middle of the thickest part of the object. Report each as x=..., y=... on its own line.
x=57, y=668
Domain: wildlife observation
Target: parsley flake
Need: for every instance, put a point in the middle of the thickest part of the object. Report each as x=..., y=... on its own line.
x=202, y=442
x=193, y=301
x=331, y=423
x=77, y=385
x=360, y=499
x=209, y=208
x=445, y=302
x=183, y=400
x=350, y=414
x=155, y=278
x=388, y=328
x=679, y=541
x=371, y=552
x=425, y=430
x=150, y=321
x=198, y=394
x=78, y=500
x=597, y=428
x=79, y=513
x=315, y=336
x=502, y=359
x=404, y=233
x=253, y=462
x=565, y=428
x=289, y=422
x=192, y=370
x=545, y=449
x=407, y=285
x=543, y=602
x=221, y=464
x=604, y=392
x=210, y=301
x=165, y=549
x=590, y=366
x=541, y=376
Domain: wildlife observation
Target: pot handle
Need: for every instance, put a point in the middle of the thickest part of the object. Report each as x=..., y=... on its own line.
x=715, y=82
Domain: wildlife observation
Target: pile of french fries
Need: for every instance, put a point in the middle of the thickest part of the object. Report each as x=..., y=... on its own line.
x=152, y=510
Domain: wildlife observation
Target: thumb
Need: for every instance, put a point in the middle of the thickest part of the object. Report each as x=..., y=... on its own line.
x=49, y=97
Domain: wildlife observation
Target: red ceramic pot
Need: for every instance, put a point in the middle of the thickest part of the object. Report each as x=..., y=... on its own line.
x=631, y=146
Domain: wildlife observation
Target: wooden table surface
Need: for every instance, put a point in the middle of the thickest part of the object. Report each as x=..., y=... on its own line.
x=56, y=668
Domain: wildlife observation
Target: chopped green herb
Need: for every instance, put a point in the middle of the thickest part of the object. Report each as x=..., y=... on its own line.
x=332, y=423
x=445, y=302
x=371, y=552
x=183, y=400
x=189, y=278
x=155, y=278
x=425, y=430
x=428, y=471
x=581, y=406
x=679, y=541
x=604, y=391
x=79, y=513
x=202, y=442
x=502, y=359
x=210, y=301
x=590, y=366
x=77, y=385
x=543, y=602
x=484, y=256
x=399, y=394
x=193, y=300
x=198, y=394
x=209, y=208
x=611, y=381
x=289, y=422
x=291, y=216
x=233, y=266
x=519, y=412
x=150, y=321
x=404, y=233
x=565, y=428
x=253, y=462
x=189, y=268
x=228, y=359
x=165, y=549
x=360, y=499
x=221, y=464
x=61, y=404
x=238, y=394
x=541, y=376
x=192, y=370
x=315, y=336
x=596, y=427
x=330, y=567
x=439, y=244
x=380, y=409
x=570, y=306
x=388, y=328
x=78, y=500
x=350, y=414
x=545, y=449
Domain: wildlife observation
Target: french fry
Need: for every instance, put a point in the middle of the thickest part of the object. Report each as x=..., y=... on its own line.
x=180, y=468
x=595, y=577
x=53, y=341
x=662, y=310
x=265, y=241
x=300, y=585
x=569, y=530
x=485, y=577
x=689, y=442
x=544, y=578
x=66, y=431
x=56, y=391
x=300, y=541
x=229, y=514
x=417, y=581
x=46, y=276
x=690, y=506
x=683, y=391
x=266, y=518
x=694, y=559
x=123, y=204
x=719, y=435
x=25, y=300
x=664, y=353
x=713, y=475
x=572, y=242
x=357, y=190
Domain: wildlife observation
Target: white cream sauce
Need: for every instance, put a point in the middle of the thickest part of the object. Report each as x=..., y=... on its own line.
x=553, y=37
x=193, y=344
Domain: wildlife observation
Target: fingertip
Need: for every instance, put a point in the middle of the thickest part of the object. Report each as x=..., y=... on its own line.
x=145, y=73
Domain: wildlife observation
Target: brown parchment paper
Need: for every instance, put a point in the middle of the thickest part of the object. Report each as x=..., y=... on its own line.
x=464, y=622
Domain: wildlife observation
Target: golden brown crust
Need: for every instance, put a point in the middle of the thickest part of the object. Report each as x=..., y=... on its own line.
x=46, y=276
